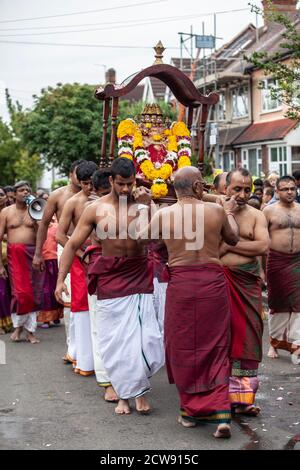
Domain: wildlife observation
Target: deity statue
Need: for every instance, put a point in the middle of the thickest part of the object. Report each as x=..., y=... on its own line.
x=156, y=146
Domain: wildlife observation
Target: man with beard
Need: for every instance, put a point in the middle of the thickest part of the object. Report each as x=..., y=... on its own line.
x=283, y=269
x=26, y=283
x=129, y=338
x=80, y=351
x=242, y=270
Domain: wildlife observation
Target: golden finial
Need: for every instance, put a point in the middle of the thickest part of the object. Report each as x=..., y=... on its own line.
x=159, y=49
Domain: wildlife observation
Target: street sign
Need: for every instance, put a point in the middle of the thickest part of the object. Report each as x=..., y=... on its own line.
x=205, y=42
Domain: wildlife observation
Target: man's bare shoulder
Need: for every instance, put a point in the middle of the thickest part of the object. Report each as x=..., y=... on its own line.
x=8, y=210
x=58, y=193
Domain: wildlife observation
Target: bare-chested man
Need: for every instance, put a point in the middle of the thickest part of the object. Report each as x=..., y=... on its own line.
x=54, y=207
x=80, y=351
x=242, y=271
x=101, y=187
x=26, y=284
x=220, y=184
x=197, y=322
x=129, y=338
x=283, y=269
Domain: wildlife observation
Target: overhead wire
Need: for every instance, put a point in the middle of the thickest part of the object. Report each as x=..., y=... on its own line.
x=83, y=12
x=140, y=20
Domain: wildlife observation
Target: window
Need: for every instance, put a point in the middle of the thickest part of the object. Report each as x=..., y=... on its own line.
x=268, y=103
x=240, y=106
x=252, y=161
x=295, y=158
x=227, y=161
x=219, y=109
x=278, y=160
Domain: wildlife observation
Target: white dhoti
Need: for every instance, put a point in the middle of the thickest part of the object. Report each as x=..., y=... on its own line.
x=130, y=342
x=284, y=330
x=159, y=301
x=66, y=300
x=71, y=354
x=83, y=344
x=27, y=321
x=100, y=372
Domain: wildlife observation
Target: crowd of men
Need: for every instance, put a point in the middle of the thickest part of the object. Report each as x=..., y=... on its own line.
x=140, y=286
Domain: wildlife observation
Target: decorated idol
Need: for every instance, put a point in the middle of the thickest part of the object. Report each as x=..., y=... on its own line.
x=156, y=148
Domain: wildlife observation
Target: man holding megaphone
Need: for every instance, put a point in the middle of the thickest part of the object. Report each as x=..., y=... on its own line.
x=19, y=222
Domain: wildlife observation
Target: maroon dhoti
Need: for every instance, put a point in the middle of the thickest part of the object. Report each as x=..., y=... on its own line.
x=197, y=341
x=283, y=275
x=247, y=329
x=26, y=283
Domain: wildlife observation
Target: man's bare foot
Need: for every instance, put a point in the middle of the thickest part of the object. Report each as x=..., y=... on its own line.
x=32, y=339
x=123, y=408
x=110, y=394
x=250, y=410
x=273, y=353
x=185, y=423
x=142, y=405
x=223, y=431
x=16, y=336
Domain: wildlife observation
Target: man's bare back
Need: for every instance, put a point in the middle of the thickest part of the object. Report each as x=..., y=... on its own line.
x=208, y=218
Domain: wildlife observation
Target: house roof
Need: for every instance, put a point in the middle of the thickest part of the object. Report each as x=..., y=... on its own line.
x=135, y=95
x=230, y=57
x=158, y=88
x=265, y=131
x=228, y=135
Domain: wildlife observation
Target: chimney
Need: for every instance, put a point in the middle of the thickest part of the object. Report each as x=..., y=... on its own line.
x=110, y=76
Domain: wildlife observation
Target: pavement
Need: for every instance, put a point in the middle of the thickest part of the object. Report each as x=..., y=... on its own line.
x=44, y=405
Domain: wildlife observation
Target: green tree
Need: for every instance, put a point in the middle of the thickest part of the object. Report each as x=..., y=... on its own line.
x=28, y=168
x=286, y=73
x=10, y=151
x=64, y=125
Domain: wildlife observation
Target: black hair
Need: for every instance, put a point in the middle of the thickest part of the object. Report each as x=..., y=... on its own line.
x=123, y=167
x=100, y=179
x=217, y=180
x=85, y=170
x=19, y=184
x=242, y=171
x=269, y=191
x=285, y=178
x=75, y=164
x=296, y=174
x=258, y=182
x=258, y=188
x=8, y=189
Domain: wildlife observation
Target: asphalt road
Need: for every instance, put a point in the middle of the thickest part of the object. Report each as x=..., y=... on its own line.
x=44, y=405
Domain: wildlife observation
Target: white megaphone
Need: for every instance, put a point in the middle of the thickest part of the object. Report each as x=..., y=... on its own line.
x=36, y=206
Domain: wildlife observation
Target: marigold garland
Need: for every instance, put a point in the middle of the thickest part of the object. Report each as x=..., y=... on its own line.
x=130, y=145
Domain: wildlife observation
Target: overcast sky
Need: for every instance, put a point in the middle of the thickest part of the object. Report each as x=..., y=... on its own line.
x=26, y=68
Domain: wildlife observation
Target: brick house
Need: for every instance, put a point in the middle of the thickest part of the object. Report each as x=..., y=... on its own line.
x=253, y=131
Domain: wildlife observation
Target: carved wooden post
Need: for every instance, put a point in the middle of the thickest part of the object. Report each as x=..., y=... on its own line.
x=106, y=107
x=203, y=119
x=114, y=115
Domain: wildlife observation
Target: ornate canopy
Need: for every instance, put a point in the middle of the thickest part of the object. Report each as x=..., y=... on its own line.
x=182, y=88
